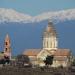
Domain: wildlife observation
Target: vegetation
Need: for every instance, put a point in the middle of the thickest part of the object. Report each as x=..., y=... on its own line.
x=5, y=60
x=73, y=63
x=49, y=60
x=22, y=60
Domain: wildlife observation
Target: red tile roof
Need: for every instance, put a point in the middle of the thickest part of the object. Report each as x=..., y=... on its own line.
x=58, y=52
x=31, y=52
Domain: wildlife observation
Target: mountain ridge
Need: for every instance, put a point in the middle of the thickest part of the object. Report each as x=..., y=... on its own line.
x=10, y=15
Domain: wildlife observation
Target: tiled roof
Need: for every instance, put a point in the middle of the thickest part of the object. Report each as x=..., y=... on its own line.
x=62, y=52
x=31, y=52
x=58, y=52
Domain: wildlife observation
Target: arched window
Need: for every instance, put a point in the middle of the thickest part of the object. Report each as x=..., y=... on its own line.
x=6, y=49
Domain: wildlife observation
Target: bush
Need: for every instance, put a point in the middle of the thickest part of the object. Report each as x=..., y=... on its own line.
x=49, y=60
x=23, y=61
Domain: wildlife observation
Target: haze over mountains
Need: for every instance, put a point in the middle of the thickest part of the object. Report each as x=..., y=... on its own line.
x=26, y=31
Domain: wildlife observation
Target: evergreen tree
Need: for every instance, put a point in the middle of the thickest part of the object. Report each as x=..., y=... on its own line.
x=73, y=63
x=21, y=60
x=49, y=60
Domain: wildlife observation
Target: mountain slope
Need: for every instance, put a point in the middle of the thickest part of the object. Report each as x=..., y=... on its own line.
x=58, y=16
x=10, y=15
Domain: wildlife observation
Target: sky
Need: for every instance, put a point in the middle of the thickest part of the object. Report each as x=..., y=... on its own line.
x=35, y=7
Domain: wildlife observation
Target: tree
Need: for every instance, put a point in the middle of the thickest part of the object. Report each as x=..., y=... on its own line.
x=5, y=60
x=23, y=60
x=2, y=61
x=49, y=60
x=73, y=62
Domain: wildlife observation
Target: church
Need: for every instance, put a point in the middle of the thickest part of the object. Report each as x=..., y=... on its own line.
x=62, y=57
x=7, y=48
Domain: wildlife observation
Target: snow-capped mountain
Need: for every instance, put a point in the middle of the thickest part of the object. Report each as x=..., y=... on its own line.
x=58, y=15
x=10, y=15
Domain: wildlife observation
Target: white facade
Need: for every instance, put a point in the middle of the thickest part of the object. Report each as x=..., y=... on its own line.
x=50, y=43
x=50, y=46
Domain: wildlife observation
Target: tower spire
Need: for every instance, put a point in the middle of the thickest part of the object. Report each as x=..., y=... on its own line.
x=7, y=49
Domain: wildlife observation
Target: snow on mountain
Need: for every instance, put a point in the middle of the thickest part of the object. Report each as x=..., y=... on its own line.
x=10, y=15
x=59, y=15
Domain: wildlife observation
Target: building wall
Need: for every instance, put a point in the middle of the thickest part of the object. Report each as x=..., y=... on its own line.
x=50, y=43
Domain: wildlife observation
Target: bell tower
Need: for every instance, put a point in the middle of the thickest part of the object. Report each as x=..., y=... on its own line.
x=50, y=37
x=7, y=49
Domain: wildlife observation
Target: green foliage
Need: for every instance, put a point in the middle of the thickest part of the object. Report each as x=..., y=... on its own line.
x=23, y=60
x=73, y=63
x=5, y=60
x=49, y=60
x=13, y=57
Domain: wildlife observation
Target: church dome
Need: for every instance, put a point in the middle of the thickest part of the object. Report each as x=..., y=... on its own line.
x=50, y=30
